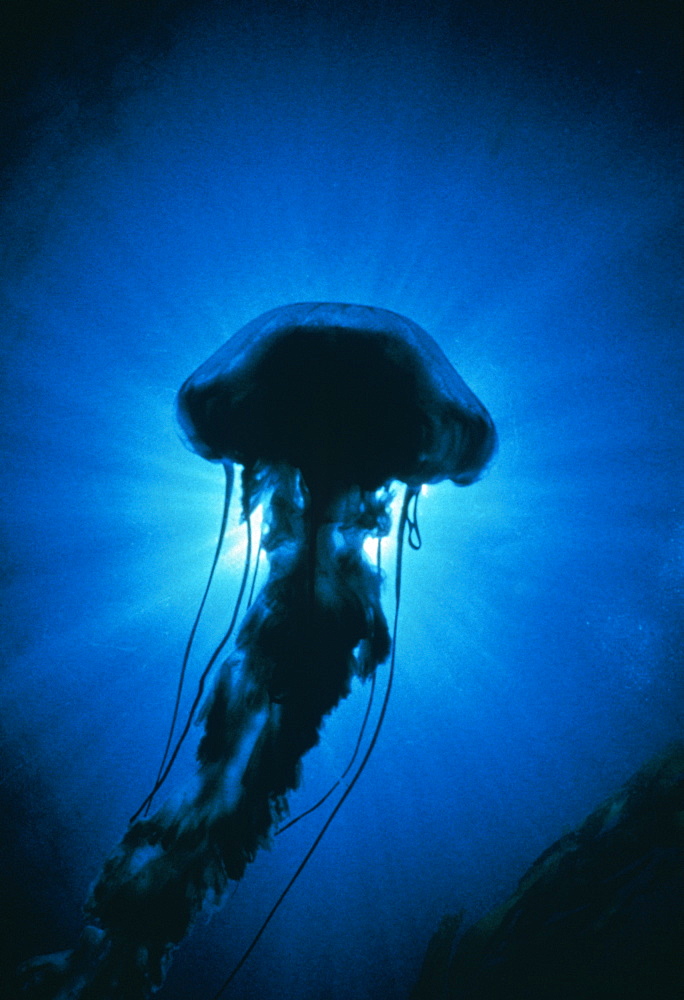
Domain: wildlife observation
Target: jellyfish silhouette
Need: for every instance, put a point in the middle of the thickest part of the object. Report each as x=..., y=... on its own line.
x=324, y=406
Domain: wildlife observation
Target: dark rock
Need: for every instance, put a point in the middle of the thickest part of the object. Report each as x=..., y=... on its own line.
x=598, y=916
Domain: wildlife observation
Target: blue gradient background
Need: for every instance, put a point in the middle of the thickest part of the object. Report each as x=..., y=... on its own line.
x=510, y=178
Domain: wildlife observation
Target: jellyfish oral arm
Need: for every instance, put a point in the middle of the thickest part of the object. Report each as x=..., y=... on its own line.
x=316, y=624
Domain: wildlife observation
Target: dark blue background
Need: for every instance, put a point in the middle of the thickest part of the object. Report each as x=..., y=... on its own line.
x=508, y=176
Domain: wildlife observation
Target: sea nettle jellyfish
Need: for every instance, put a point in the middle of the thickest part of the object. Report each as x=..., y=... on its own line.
x=324, y=406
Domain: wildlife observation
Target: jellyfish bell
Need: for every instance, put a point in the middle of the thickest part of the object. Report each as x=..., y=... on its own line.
x=347, y=394
x=324, y=405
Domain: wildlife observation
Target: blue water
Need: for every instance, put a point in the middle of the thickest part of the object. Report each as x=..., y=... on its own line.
x=511, y=181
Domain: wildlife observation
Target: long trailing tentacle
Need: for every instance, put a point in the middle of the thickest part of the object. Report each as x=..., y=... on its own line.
x=324, y=798
x=409, y=496
x=169, y=761
x=230, y=476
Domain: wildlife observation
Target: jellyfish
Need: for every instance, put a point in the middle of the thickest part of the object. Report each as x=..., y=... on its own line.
x=324, y=406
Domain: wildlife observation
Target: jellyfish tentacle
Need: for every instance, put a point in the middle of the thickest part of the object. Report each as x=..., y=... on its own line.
x=404, y=519
x=229, y=472
x=414, y=538
x=161, y=778
x=324, y=798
